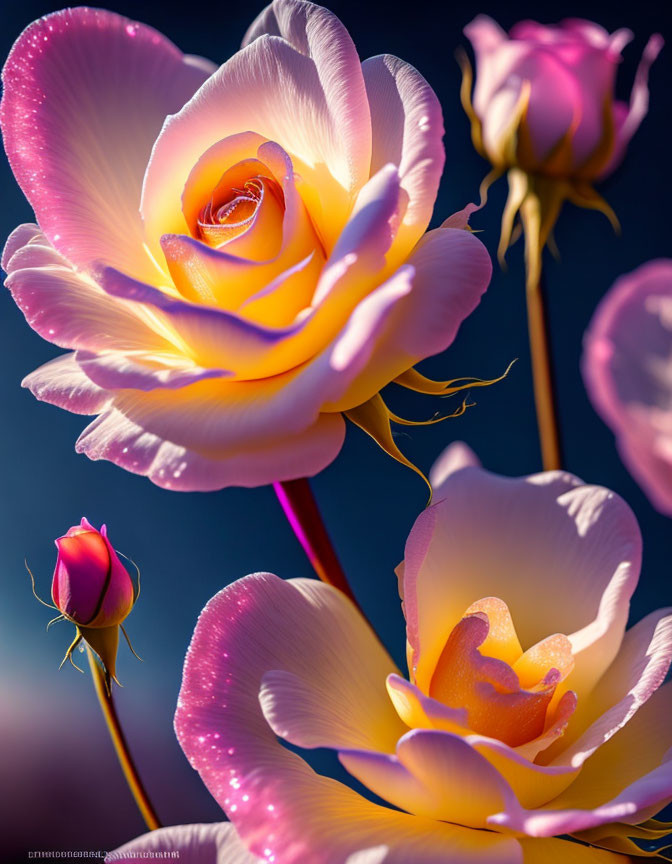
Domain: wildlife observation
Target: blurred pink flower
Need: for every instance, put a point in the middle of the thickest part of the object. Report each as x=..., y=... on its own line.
x=627, y=367
x=544, y=96
x=544, y=112
x=234, y=254
x=529, y=711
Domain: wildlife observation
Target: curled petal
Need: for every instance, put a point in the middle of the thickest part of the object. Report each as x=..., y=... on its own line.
x=627, y=118
x=215, y=843
x=407, y=128
x=115, y=437
x=637, y=672
x=634, y=767
x=427, y=776
x=66, y=306
x=62, y=382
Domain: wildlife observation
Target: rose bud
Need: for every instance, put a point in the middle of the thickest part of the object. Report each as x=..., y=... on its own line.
x=544, y=110
x=93, y=589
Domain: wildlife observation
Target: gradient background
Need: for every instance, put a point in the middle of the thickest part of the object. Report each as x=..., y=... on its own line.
x=61, y=787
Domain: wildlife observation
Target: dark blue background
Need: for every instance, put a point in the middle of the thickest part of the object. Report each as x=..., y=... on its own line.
x=62, y=788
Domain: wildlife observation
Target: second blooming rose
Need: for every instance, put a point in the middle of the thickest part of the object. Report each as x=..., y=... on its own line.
x=234, y=256
x=529, y=711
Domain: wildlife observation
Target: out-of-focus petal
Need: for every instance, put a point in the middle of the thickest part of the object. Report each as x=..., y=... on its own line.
x=626, y=368
x=407, y=129
x=627, y=118
x=277, y=802
x=555, y=851
x=214, y=843
x=85, y=94
x=499, y=534
x=301, y=87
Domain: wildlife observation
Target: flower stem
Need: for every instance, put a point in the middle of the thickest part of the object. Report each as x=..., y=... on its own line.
x=303, y=514
x=542, y=369
x=119, y=741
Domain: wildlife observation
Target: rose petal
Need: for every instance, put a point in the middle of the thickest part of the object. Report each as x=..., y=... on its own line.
x=407, y=128
x=142, y=370
x=223, y=278
x=637, y=672
x=629, y=117
x=66, y=307
x=81, y=574
x=62, y=382
x=85, y=94
x=628, y=350
x=249, y=413
x=634, y=767
x=450, y=271
x=215, y=843
x=456, y=456
x=427, y=776
x=552, y=851
x=113, y=436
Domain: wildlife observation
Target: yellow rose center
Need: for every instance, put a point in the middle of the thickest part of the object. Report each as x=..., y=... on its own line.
x=507, y=693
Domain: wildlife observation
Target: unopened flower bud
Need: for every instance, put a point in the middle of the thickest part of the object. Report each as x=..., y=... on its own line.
x=91, y=587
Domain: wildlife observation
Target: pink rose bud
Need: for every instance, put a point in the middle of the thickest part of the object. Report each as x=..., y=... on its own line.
x=544, y=96
x=91, y=587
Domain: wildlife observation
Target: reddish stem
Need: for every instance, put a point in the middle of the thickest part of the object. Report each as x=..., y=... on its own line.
x=302, y=512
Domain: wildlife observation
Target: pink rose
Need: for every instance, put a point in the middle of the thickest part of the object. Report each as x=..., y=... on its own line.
x=528, y=712
x=234, y=255
x=91, y=587
x=627, y=367
x=544, y=96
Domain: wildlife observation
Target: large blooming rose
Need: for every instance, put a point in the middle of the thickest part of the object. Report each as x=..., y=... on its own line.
x=234, y=255
x=528, y=712
x=627, y=367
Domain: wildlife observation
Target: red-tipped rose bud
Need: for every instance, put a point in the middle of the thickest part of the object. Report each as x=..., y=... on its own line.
x=91, y=587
